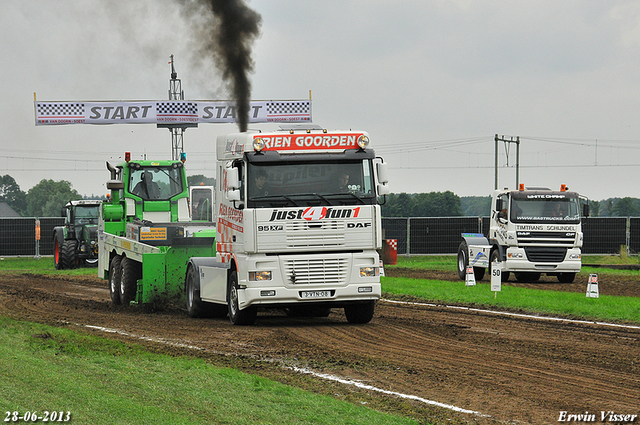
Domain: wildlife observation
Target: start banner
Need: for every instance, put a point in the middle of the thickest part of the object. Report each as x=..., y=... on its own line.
x=168, y=112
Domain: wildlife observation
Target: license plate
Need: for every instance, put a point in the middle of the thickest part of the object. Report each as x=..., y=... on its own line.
x=315, y=294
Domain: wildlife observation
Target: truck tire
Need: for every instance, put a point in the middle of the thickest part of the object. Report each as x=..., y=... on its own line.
x=56, y=254
x=360, y=312
x=237, y=316
x=69, y=254
x=566, y=277
x=115, y=273
x=495, y=256
x=195, y=306
x=131, y=272
x=463, y=262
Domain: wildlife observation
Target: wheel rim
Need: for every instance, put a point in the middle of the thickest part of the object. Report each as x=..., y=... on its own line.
x=462, y=261
x=233, y=302
x=122, y=275
x=112, y=282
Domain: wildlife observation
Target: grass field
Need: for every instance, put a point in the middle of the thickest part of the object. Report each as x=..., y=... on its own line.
x=100, y=381
x=535, y=301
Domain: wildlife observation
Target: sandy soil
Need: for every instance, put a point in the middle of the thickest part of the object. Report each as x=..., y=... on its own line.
x=497, y=368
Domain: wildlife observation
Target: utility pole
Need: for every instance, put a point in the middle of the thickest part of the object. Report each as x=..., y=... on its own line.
x=505, y=140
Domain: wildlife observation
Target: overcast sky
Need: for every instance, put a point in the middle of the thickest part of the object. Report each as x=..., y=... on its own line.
x=431, y=81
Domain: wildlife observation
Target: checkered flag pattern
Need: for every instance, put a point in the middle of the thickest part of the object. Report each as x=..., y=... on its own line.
x=177, y=108
x=60, y=109
x=289, y=108
x=393, y=244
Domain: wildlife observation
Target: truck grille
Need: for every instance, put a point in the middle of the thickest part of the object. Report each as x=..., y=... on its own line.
x=329, y=271
x=307, y=235
x=545, y=254
x=548, y=238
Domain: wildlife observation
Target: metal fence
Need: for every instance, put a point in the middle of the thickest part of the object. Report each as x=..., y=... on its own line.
x=18, y=236
x=415, y=235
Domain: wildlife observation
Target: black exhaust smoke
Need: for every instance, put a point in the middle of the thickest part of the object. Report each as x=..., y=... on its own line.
x=226, y=32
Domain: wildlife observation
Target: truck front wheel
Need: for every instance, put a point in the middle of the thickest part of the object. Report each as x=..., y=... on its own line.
x=237, y=316
x=495, y=257
x=130, y=273
x=360, y=312
x=114, y=279
x=463, y=260
x=195, y=306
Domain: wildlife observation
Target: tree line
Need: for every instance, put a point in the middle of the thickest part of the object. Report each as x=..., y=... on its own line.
x=47, y=198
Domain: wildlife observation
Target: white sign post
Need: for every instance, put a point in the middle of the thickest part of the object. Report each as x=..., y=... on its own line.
x=496, y=278
x=470, y=277
x=592, y=287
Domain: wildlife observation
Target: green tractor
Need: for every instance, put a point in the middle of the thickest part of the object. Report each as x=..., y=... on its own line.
x=76, y=242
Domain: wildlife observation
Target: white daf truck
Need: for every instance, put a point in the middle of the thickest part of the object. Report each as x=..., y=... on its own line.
x=532, y=231
x=298, y=226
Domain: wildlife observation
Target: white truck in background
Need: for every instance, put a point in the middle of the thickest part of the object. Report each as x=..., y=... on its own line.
x=298, y=226
x=532, y=231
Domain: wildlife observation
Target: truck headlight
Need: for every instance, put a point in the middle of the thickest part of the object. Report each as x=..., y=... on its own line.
x=515, y=255
x=575, y=256
x=368, y=271
x=262, y=275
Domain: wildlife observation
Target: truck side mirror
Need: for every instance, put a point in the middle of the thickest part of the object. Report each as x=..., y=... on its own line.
x=383, y=172
x=499, y=205
x=233, y=179
x=63, y=212
x=585, y=210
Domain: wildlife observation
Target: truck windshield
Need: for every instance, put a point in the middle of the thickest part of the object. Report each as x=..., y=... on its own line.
x=540, y=208
x=156, y=183
x=310, y=183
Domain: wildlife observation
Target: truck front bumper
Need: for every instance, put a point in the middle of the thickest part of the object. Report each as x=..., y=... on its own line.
x=279, y=296
x=517, y=261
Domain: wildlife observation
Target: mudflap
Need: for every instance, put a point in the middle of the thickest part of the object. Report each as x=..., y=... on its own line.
x=163, y=274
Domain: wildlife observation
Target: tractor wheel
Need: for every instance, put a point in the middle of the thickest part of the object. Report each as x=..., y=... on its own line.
x=115, y=273
x=495, y=256
x=360, y=312
x=56, y=254
x=69, y=255
x=195, y=306
x=131, y=272
x=237, y=316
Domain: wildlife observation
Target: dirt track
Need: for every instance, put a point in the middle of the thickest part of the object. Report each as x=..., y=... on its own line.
x=506, y=369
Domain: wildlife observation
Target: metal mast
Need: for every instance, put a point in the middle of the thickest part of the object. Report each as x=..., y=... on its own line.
x=505, y=140
x=176, y=130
